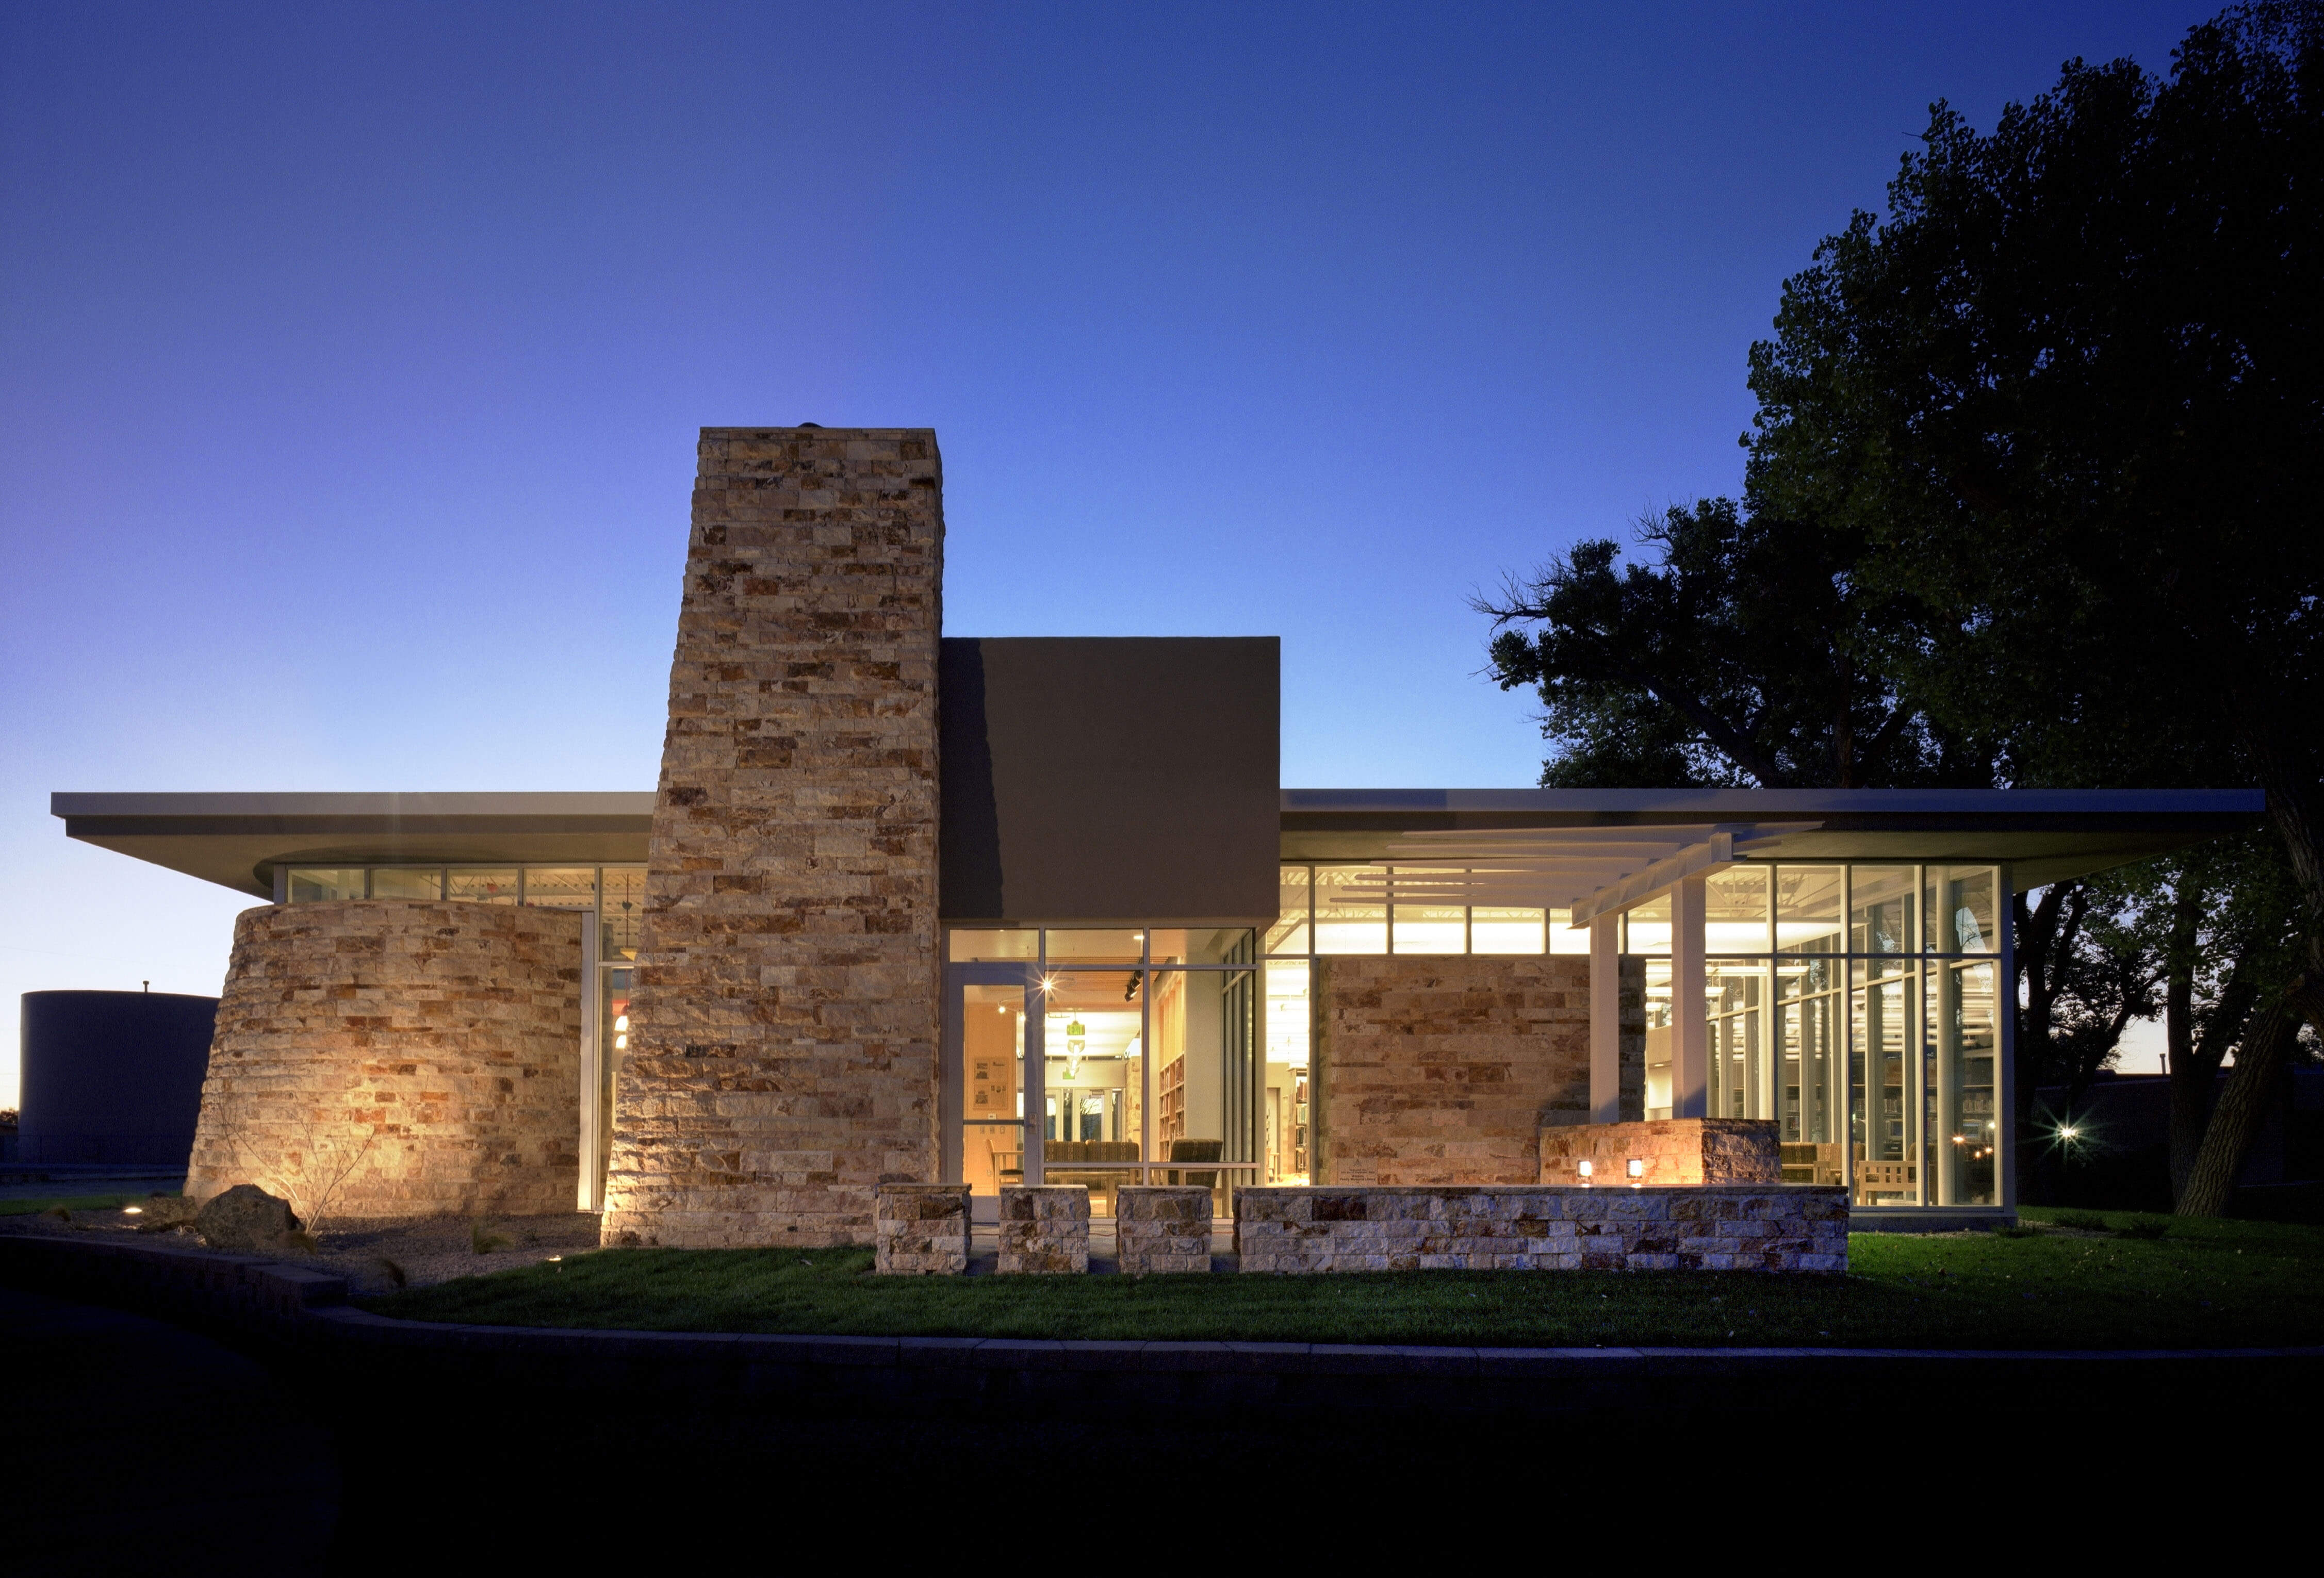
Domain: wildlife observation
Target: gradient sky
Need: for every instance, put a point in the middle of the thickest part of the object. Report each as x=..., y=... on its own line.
x=351, y=357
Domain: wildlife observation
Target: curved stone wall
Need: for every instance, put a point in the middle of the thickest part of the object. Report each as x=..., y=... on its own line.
x=384, y=1058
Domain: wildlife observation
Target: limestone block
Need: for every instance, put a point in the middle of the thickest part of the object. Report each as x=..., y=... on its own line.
x=1162, y=1228
x=922, y=1229
x=782, y=1058
x=1045, y=1229
x=1542, y=1227
x=392, y=1058
x=1674, y=1152
x=1442, y=1071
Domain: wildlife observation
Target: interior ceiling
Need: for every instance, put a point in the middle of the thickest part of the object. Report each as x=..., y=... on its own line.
x=1537, y=867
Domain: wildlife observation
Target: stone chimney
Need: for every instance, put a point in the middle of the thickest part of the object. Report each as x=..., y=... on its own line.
x=782, y=1055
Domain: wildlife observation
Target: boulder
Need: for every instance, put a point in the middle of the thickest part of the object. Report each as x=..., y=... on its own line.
x=245, y=1217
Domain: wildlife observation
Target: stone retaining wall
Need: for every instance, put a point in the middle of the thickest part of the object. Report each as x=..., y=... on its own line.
x=1712, y=1228
x=782, y=1060
x=1162, y=1228
x=923, y=1227
x=1677, y=1152
x=391, y=1057
x=1045, y=1228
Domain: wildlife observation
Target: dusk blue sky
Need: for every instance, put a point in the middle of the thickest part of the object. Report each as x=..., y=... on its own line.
x=351, y=358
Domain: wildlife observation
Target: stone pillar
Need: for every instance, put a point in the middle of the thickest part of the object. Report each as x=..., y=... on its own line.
x=1162, y=1228
x=782, y=1057
x=1690, y=1026
x=391, y=1057
x=1045, y=1227
x=923, y=1229
x=1606, y=1019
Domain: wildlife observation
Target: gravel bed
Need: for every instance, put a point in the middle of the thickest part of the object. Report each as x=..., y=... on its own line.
x=426, y=1249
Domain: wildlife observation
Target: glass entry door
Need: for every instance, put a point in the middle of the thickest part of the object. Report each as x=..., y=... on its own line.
x=993, y=1023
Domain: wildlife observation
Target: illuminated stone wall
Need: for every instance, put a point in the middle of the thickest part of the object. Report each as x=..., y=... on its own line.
x=1708, y=1228
x=1445, y=1070
x=384, y=1058
x=1670, y=1150
x=782, y=1057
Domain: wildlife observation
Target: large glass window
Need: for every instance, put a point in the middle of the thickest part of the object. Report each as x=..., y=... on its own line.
x=406, y=882
x=315, y=886
x=1150, y=1059
x=1856, y=1006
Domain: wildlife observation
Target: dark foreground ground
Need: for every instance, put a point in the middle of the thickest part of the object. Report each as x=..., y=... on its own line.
x=133, y=1446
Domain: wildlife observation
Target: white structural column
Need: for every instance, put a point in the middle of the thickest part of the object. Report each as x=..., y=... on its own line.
x=1606, y=1019
x=1690, y=1030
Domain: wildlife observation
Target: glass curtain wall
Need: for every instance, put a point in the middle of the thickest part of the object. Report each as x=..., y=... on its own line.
x=1151, y=1059
x=1856, y=1005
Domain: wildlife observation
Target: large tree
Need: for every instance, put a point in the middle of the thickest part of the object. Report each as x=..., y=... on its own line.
x=2031, y=497
x=2070, y=391
x=1742, y=647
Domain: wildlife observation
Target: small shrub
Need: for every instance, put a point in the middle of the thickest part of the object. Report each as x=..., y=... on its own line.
x=297, y=1240
x=395, y=1273
x=2141, y=1230
x=60, y=1213
x=2082, y=1221
x=483, y=1239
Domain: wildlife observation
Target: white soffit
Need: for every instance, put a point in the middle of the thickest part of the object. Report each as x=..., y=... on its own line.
x=1587, y=870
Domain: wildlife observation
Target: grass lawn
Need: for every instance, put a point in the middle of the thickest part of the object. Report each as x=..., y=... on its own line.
x=2077, y=1279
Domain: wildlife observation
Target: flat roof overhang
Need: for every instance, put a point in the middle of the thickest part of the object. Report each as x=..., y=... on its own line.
x=237, y=840
x=2047, y=835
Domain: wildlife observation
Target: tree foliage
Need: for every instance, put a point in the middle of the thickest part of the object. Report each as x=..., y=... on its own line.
x=2032, y=498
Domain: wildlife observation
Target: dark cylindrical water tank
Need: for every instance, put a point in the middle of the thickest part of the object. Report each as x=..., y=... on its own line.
x=113, y=1077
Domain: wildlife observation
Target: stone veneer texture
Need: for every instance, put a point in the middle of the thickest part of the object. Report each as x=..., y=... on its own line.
x=1045, y=1228
x=1536, y=1228
x=1444, y=1070
x=782, y=1060
x=1675, y=1150
x=922, y=1229
x=384, y=1058
x=1162, y=1227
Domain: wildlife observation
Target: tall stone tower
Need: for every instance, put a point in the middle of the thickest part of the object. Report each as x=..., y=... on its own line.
x=782, y=1041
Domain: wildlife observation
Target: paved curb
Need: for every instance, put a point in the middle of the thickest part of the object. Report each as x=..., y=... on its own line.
x=306, y=1312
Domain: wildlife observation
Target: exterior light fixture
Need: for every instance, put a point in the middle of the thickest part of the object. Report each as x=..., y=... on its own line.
x=554, y=1258
x=133, y=1210
x=2069, y=1134
x=1637, y=1167
x=1586, y=1167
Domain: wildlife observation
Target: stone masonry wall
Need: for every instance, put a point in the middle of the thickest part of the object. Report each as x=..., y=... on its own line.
x=923, y=1229
x=1045, y=1227
x=1444, y=1070
x=1162, y=1227
x=383, y=1057
x=1712, y=1228
x=782, y=1058
x=1675, y=1151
